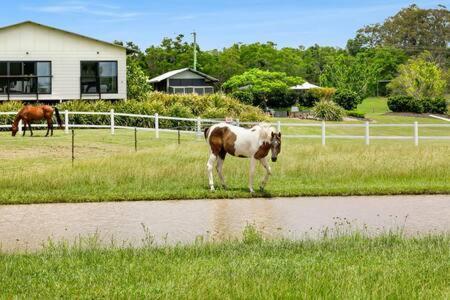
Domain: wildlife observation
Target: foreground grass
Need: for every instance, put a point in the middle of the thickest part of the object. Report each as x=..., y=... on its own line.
x=346, y=267
x=106, y=168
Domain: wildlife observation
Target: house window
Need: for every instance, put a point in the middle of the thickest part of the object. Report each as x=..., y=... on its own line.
x=25, y=77
x=98, y=77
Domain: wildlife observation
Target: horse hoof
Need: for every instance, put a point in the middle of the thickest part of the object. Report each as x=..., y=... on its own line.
x=261, y=189
x=252, y=191
x=224, y=187
x=212, y=189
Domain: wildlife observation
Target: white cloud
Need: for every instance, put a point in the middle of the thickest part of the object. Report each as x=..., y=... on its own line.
x=111, y=13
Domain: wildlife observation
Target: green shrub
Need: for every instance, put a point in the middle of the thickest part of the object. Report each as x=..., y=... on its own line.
x=215, y=106
x=405, y=104
x=310, y=97
x=435, y=105
x=245, y=96
x=411, y=104
x=355, y=114
x=347, y=99
x=328, y=111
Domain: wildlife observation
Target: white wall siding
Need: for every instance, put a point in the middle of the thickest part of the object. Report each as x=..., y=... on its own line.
x=65, y=51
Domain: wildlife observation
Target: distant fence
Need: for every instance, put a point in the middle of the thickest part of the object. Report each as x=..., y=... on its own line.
x=198, y=123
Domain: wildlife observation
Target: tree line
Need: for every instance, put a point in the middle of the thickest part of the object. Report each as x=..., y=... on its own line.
x=372, y=57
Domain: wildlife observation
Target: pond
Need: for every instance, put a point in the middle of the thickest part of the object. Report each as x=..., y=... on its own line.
x=27, y=227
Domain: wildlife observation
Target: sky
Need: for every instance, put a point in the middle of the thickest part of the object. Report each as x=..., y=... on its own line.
x=218, y=23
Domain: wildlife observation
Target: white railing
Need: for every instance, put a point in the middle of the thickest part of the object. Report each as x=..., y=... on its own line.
x=279, y=125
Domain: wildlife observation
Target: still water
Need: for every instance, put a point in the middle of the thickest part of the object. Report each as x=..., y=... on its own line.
x=27, y=227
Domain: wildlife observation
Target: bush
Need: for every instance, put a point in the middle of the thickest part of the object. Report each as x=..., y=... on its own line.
x=245, y=96
x=328, y=111
x=347, y=99
x=310, y=97
x=216, y=106
x=355, y=114
x=410, y=104
x=435, y=105
x=405, y=104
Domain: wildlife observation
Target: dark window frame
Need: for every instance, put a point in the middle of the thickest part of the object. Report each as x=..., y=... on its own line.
x=98, y=77
x=32, y=77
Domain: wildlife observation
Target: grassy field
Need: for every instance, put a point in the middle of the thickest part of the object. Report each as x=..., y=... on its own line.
x=345, y=267
x=107, y=168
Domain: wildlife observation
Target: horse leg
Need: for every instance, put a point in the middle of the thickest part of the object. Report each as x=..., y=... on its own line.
x=31, y=130
x=48, y=127
x=219, y=166
x=210, y=166
x=24, y=127
x=268, y=172
x=252, y=173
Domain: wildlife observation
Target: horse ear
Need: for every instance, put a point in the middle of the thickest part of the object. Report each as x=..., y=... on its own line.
x=279, y=134
x=273, y=134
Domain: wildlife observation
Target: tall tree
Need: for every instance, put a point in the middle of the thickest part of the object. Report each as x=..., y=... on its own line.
x=420, y=77
x=412, y=29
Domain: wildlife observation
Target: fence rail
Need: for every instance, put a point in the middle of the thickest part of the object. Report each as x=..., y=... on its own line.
x=198, y=122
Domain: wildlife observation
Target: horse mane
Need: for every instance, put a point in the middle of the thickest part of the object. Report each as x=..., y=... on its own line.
x=265, y=131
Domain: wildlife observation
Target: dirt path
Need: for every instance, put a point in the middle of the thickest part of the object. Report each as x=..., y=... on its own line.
x=28, y=226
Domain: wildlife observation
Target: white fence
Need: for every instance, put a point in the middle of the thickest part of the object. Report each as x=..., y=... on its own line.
x=197, y=128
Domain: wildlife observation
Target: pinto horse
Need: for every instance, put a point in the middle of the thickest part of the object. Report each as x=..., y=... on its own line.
x=254, y=143
x=31, y=113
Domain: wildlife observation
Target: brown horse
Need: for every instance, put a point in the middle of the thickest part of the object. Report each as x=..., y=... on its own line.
x=31, y=113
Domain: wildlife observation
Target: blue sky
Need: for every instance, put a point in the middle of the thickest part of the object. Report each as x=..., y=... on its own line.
x=219, y=23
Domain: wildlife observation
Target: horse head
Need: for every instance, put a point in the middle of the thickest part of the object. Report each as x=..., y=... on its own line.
x=14, y=129
x=275, y=145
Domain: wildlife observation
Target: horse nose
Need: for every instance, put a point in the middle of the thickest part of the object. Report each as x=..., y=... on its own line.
x=274, y=159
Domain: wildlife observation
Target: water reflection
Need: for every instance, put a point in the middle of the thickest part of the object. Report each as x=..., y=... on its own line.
x=28, y=226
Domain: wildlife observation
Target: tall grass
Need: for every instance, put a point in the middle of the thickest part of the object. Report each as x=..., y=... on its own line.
x=344, y=267
x=107, y=168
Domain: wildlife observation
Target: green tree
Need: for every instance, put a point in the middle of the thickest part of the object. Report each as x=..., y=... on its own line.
x=268, y=88
x=412, y=29
x=345, y=72
x=137, y=85
x=420, y=78
x=169, y=55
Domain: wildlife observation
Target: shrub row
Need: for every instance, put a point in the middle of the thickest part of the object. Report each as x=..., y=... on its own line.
x=215, y=106
x=414, y=105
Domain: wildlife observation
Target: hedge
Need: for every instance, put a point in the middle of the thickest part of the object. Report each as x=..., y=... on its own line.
x=215, y=106
x=413, y=105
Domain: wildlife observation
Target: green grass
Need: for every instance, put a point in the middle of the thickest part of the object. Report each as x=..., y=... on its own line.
x=344, y=267
x=38, y=169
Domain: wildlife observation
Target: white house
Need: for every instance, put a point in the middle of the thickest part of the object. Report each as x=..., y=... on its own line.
x=39, y=62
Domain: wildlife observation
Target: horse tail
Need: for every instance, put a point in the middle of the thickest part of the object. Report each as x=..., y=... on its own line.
x=206, y=133
x=58, y=117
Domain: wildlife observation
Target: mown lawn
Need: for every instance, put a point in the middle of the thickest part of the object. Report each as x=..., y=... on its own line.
x=345, y=267
x=106, y=168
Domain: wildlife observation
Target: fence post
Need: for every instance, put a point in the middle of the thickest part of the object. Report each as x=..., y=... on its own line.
x=279, y=126
x=367, y=136
x=199, y=128
x=20, y=127
x=157, y=126
x=416, y=133
x=73, y=146
x=112, y=121
x=135, y=139
x=66, y=121
x=323, y=134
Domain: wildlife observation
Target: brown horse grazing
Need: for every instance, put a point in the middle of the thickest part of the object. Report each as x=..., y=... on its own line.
x=31, y=113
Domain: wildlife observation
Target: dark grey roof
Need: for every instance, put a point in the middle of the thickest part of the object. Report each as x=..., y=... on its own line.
x=175, y=72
